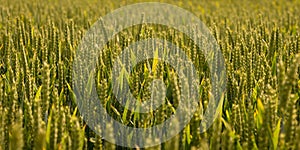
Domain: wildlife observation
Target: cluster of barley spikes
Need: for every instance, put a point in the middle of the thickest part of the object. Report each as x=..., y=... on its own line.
x=259, y=41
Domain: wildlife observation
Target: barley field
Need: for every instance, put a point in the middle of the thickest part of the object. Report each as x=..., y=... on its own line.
x=259, y=41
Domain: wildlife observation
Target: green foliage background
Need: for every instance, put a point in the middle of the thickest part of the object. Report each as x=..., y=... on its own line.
x=259, y=41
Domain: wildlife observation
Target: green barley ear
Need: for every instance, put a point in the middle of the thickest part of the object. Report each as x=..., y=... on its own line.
x=286, y=82
x=297, y=138
x=16, y=136
x=51, y=133
x=98, y=143
x=77, y=134
x=45, y=93
x=204, y=145
x=110, y=132
x=66, y=142
x=28, y=123
x=1, y=113
x=290, y=122
x=40, y=140
x=217, y=131
x=39, y=124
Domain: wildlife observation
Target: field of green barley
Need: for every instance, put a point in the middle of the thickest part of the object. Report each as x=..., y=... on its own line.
x=259, y=41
